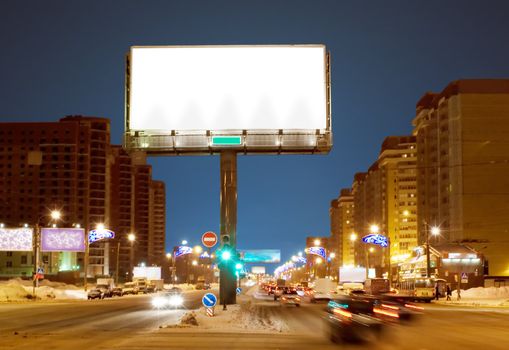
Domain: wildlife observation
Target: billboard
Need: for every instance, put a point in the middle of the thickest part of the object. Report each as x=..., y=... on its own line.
x=202, y=99
x=258, y=270
x=16, y=239
x=149, y=272
x=260, y=255
x=182, y=250
x=377, y=239
x=62, y=240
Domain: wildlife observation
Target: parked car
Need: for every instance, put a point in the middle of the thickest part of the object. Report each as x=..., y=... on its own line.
x=95, y=293
x=129, y=288
x=117, y=291
x=289, y=297
x=105, y=289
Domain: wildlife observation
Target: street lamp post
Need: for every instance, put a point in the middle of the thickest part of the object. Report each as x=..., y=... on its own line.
x=435, y=231
x=131, y=238
x=55, y=215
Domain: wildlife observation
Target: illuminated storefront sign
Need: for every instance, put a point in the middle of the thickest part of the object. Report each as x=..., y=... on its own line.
x=62, y=240
x=377, y=239
x=16, y=239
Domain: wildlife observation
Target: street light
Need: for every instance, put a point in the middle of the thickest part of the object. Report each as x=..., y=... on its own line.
x=168, y=256
x=317, y=242
x=131, y=237
x=55, y=215
x=374, y=228
x=353, y=237
x=184, y=242
x=198, y=249
x=435, y=231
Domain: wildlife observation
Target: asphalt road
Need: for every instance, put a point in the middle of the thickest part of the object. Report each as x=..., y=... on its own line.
x=131, y=323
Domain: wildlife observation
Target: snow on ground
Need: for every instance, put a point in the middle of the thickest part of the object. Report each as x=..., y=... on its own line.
x=480, y=296
x=245, y=316
x=21, y=290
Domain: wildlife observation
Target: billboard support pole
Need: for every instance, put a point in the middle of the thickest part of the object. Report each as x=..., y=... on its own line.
x=228, y=221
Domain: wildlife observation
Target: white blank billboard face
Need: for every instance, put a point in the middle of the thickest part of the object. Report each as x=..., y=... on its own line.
x=228, y=88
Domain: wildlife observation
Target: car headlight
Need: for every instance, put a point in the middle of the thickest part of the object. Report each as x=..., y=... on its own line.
x=176, y=300
x=158, y=302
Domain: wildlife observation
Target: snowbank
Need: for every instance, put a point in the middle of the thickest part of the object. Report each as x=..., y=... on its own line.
x=246, y=316
x=21, y=290
x=491, y=296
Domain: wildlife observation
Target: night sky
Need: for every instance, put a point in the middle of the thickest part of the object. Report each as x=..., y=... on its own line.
x=67, y=57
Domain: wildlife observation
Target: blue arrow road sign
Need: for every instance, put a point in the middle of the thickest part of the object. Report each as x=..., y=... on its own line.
x=209, y=300
x=239, y=290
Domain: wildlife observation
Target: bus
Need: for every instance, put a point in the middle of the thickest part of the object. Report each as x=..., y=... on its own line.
x=420, y=288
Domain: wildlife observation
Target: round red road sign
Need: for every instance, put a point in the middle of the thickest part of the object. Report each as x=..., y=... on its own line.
x=209, y=239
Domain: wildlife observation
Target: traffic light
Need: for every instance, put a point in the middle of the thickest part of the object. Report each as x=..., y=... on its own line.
x=238, y=266
x=226, y=255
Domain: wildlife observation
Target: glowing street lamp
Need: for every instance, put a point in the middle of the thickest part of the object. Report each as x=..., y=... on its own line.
x=131, y=237
x=168, y=256
x=184, y=242
x=374, y=229
x=55, y=215
x=194, y=263
x=435, y=230
x=198, y=249
x=317, y=242
x=353, y=237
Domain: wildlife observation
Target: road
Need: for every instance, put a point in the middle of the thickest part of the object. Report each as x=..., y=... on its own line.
x=131, y=323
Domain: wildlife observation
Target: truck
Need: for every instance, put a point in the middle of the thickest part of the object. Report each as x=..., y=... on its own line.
x=377, y=286
x=105, y=286
x=323, y=288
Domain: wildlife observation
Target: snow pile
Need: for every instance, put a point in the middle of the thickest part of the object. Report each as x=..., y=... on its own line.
x=246, y=316
x=486, y=293
x=20, y=290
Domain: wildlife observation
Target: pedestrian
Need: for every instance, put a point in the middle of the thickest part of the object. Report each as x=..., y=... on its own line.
x=437, y=292
x=459, y=293
x=448, y=292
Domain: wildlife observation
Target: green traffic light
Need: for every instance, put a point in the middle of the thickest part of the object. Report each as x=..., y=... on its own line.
x=226, y=255
x=238, y=266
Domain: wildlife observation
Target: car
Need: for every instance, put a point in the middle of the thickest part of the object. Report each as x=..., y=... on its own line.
x=171, y=298
x=117, y=291
x=105, y=289
x=289, y=297
x=350, y=319
x=95, y=293
x=129, y=288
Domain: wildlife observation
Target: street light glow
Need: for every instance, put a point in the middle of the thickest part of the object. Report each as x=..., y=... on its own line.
x=198, y=249
x=353, y=237
x=318, y=261
x=55, y=214
x=435, y=230
x=195, y=262
x=131, y=237
x=99, y=227
x=332, y=255
x=371, y=249
x=299, y=254
x=317, y=242
x=184, y=242
x=374, y=229
x=168, y=255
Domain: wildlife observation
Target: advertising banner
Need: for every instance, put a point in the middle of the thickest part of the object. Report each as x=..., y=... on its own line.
x=183, y=250
x=97, y=235
x=16, y=239
x=62, y=240
x=260, y=255
x=320, y=251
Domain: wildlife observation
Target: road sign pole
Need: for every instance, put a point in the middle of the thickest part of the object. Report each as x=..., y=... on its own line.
x=228, y=221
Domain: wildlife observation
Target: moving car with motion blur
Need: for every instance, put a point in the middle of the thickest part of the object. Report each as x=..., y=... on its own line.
x=116, y=291
x=169, y=299
x=289, y=297
x=351, y=319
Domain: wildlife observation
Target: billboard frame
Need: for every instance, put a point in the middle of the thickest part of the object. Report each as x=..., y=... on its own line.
x=273, y=141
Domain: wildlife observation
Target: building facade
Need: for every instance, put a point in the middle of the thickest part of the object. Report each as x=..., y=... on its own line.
x=70, y=166
x=463, y=157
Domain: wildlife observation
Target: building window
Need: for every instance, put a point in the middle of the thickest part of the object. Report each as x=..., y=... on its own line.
x=9, y=253
x=23, y=259
x=8, y=264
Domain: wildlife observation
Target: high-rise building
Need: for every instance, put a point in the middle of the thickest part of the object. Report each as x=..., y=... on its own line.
x=156, y=253
x=463, y=160
x=347, y=235
x=70, y=166
x=397, y=164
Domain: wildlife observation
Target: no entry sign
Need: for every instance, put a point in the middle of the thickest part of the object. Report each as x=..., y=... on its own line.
x=209, y=239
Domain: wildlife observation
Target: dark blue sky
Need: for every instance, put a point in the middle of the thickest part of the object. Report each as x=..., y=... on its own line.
x=67, y=57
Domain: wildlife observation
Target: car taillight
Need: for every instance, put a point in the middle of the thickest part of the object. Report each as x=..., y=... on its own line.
x=283, y=298
x=415, y=307
x=342, y=312
x=390, y=307
x=385, y=312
